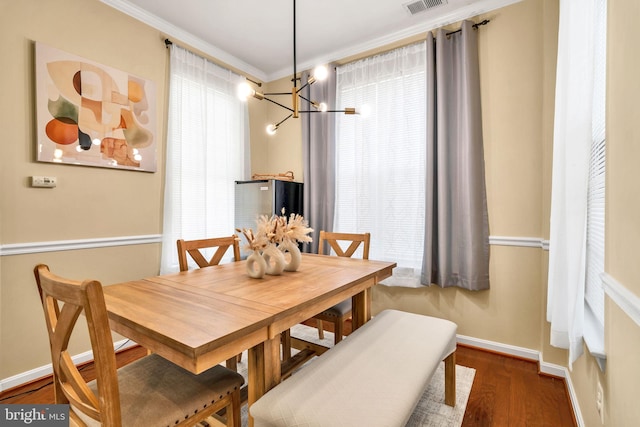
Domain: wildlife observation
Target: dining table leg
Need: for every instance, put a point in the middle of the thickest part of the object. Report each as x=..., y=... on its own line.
x=264, y=371
x=361, y=308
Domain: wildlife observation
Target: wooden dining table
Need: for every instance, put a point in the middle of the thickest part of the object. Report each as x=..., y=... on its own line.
x=200, y=318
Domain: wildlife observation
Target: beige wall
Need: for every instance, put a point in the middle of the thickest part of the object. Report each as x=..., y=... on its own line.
x=517, y=51
x=518, y=58
x=515, y=57
x=282, y=152
x=285, y=147
x=508, y=313
x=88, y=202
x=622, y=341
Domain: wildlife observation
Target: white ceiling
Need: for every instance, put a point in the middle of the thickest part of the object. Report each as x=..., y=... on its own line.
x=256, y=36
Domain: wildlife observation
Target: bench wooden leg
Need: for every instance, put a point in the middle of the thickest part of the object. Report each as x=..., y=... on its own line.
x=450, y=380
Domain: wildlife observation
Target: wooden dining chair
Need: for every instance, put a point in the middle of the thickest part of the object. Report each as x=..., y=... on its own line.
x=337, y=243
x=194, y=248
x=148, y=391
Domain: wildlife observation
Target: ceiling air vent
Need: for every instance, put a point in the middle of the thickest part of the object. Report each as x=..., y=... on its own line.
x=422, y=5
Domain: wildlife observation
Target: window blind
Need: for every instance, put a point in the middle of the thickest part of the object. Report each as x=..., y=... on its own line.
x=380, y=166
x=594, y=292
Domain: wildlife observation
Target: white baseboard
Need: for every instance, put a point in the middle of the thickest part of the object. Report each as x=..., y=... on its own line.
x=533, y=355
x=46, y=370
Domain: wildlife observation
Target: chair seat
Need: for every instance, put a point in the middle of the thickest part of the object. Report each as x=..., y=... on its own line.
x=341, y=309
x=156, y=392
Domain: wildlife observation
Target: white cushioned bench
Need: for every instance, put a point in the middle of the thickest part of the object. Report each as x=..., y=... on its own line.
x=374, y=377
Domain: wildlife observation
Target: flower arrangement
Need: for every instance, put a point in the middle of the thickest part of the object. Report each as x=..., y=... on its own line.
x=254, y=242
x=277, y=229
x=276, y=235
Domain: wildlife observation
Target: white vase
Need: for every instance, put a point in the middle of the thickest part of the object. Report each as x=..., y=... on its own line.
x=295, y=257
x=274, y=259
x=256, y=265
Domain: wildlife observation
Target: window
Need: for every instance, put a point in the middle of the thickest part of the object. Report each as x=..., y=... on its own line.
x=206, y=140
x=380, y=166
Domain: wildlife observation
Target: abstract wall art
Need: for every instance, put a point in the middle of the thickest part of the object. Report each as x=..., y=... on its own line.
x=92, y=114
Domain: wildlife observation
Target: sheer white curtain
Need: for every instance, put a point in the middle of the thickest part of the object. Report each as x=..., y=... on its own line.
x=571, y=156
x=207, y=151
x=380, y=173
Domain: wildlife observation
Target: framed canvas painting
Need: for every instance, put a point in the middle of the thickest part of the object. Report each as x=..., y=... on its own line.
x=92, y=114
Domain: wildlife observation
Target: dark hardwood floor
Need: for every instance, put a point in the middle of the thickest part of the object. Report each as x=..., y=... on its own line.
x=506, y=391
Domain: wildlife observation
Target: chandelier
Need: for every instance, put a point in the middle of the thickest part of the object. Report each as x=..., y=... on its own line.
x=319, y=74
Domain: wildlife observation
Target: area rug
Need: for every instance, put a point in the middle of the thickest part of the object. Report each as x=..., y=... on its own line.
x=431, y=410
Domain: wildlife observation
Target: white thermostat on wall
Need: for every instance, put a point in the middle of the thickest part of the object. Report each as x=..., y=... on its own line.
x=43, y=181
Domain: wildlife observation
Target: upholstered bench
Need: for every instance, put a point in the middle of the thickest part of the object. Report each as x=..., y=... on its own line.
x=374, y=377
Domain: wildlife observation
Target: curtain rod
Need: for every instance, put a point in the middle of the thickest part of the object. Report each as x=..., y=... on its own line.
x=485, y=22
x=168, y=43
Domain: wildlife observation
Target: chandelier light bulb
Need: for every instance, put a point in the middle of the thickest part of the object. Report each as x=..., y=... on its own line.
x=320, y=72
x=365, y=111
x=323, y=107
x=271, y=129
x=244, y=91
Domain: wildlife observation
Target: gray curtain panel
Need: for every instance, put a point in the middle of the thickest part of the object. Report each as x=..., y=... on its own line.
x=456, y=251
x=318, y=153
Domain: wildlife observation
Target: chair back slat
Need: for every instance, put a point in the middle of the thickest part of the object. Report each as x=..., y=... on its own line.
x=336, y=241
x=194, y=247
x=63, y=301
x=76, y=390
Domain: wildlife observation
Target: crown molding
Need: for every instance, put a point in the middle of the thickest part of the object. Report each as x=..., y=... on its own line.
x=460, y=14
x=171, y=31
